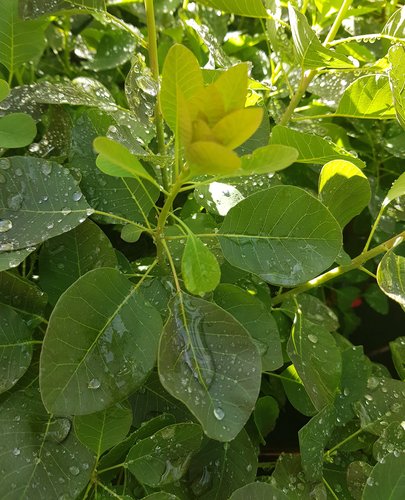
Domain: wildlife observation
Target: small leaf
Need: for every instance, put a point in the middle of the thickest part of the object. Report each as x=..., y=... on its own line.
x=396, y=56
x=182, y=72
x=131, y=233
x=199, y=267
x=208, y=361
x=100, y=344
x=15, y=348
x=211, y=158
x=282, y=234
x=238, y=126
x=265, y=415
x=4, y=90
x=271, y=158
x=101, y=431
x=164, y=457
x=253, y=8
x=258, y=491
x=9, y=260
x=233, y=84
x=17, y=130
x=344, y=189
x=397, y=189
x=391, y=276
x=397, y=347
x=296, y=393
x=387, y=479
x=36, y=8
x=116, y=160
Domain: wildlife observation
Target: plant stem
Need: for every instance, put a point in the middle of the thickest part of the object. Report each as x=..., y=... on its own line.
x=308, y=76
x=374, y=227
x=339, y=270
x=349, y=438
x=154, y=66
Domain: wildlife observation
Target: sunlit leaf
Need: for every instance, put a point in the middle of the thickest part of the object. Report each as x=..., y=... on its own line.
x=4, y=89
x=397, y=189
x=269, y=158
x=212, y=158
x=36, y=8
x=233, y=84
x=391, y=276
x=253, y=8
x=236, y=127
x=396, y=56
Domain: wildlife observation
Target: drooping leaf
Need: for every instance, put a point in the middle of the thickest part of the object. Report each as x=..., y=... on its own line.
x=15, y=348
x=391, y=276
x=20, y=41
x=100, y=344
x=387, y=479
x=397, y=347
x=17, y=130
x=311, y=53
x=271, y=158
x=164, y=457
x=67, y=257
x=368, y=97
x=258, y=491
x=199, y=267
x=38, y=200
x=396, y=56
x=344, y=189
x=181, y=73
x=220, y=468
x=311, y=148
x=256, y=318
x=317, y=360
x=101, y=431
x=40, y=452
x=209, y=362
x=253, y=8
x=283, y=234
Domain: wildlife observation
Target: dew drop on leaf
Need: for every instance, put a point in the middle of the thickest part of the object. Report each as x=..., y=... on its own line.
x=94, y=384
x=5, y=225
x=219, y=413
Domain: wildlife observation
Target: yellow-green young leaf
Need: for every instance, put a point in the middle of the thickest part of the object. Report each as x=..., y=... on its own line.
x=269, y=158
x=207, y=104
x=180, y=71
x=396, y=24
x=396, y=56
x=4, y=90
x=237, y=127
x=17, y=130
x=397, y=189
x=116, y=160
x=233, y=84
x=391, y=276
x=211, y=158
x=248, y=8
x=344, y=189
x=368, y=97
x=199, y=267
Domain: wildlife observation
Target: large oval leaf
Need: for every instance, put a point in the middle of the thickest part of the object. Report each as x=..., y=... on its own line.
x=40, y=457
x=38, y=200
x=209, y=362
x=100, y=344
x=387, y=479
x=258, y=491
x=283, y=234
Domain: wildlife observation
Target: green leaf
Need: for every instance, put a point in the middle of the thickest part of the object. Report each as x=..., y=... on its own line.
x=9, y=260
x=181, y=73
x=271, y=158
x=396, y=57
x=116, y=160
x=392, y=440
x=317, y=359
x=253, y=8
x=397, y=190
x=164, y=457
x=265, y=415
x=36, y=8
x=39, y=451
x=252, y=313
x=391, y=276
x=233, y=84
x=258, y=491
x=199, y=267
x=15, y=348
x=20, y=41
x=314, y=310
x=357, y=474
x=209, y=362
x=67, y=257
x=207, y=157
x=100, y=344
x=344, y=189
x=130, y=233
x=283, y=234
x=4, y=90
x=368, y=97
x=311, y=148
x=397, y=347
x=311, y=53
x=237, y=127
x=161, y=495
x=395, y=25
x=114, y=49
x=376, y=299
x=101, y=431
x=296, y=393
x=387, y=479
x=17, y=130
x=219, y=468
x=38, y=200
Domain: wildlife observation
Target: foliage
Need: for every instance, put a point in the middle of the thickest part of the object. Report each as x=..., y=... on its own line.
x=195, y=200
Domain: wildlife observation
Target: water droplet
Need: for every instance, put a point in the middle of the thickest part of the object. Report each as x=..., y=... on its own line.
x=46, y=168
x=77, y=196
x=312, y=338
x=94, y=384
x=16, y=452
x=74, y=470
x=5, y=225
x=66, y=211
x=219, y=413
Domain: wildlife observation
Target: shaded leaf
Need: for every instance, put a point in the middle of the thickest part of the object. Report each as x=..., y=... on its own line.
x=296, y=393
x=283, y=234
x=17, y=130
x=397, y=189
x=397, y=347
x=209, y=362
x=387, y=479
x=258, y=491
x=391, y=276
x=265, y=415
x=100, y=344
x=9, y=260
